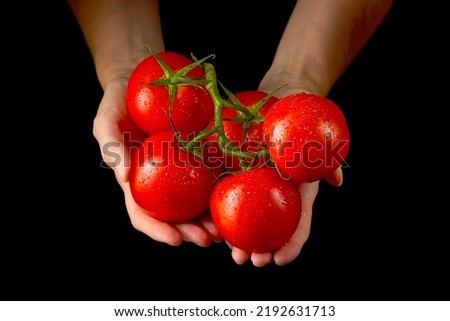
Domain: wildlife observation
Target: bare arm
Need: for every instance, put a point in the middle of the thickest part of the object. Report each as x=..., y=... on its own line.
x=117, y=31
x=321, y=39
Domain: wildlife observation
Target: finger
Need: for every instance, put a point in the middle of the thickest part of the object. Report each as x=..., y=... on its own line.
x=308, y=192
x=229, y=245
x=261, y=259
x=113, y=127
x=194, y=234
x=292, y=249
x=141, y=221
x=106, y=129
x=239, y=256
x=206, y=221
x=173, y=234
x=336, y=177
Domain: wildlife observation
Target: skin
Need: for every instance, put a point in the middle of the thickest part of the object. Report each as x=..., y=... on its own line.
x=320, y=41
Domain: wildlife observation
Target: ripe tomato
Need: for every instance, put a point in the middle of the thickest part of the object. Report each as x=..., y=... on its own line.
x=256, y=210
x=307, y=136
x=148, y=104
x=171, y=184
x=244, y=131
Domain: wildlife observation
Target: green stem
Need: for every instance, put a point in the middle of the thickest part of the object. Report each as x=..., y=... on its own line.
x=210, y=82
x=202, y=135
x=224, y=143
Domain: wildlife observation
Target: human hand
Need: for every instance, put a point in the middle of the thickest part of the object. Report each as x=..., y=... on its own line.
x=308, y=191
x=292, y=249
x=116, y=133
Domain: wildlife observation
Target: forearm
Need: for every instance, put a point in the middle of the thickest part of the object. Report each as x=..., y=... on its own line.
x=117, y=31
x=321, y=39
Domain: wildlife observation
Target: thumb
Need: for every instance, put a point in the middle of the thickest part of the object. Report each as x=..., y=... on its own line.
x=336, y=177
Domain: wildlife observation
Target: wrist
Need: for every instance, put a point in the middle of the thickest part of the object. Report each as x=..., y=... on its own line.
x=119, y=67
x=289, y=84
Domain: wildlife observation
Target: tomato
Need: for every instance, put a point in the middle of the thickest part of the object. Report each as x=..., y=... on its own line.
x=149, y=104
x=244, y=131
x=171, y=184
x=256, y=210
x=307, y=136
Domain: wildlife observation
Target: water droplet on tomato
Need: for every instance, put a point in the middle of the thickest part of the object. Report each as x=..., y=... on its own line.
x=193, y=174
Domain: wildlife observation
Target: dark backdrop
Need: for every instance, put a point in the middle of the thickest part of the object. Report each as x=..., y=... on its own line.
x=65, y=230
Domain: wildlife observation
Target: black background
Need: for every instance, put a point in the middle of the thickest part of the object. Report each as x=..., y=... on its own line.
x=65, y=231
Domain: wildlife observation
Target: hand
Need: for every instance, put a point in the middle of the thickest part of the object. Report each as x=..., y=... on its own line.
x=292, y=249
x=111, y=125
x=308, y=192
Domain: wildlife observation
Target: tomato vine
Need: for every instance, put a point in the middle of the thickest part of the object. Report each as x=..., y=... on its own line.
x=245, y=116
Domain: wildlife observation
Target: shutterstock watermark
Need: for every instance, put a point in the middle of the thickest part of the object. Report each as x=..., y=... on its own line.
x=310, y=154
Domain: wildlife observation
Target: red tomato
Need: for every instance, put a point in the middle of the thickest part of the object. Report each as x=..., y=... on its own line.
x=171, y=184
x=307, y=136
x=148, y=104
x=243, y=131
x=256, y=210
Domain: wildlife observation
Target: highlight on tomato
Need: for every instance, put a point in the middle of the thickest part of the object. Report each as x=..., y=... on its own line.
x=165, y=90
x=169, y=183
x=256, y=210
x=307, y=136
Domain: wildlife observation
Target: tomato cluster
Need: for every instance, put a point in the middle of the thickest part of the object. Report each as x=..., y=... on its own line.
x=240, y=156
